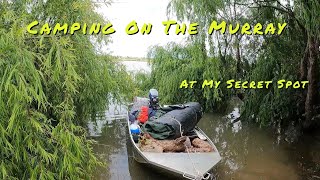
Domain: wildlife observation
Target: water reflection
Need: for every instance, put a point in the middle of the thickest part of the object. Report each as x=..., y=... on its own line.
x=247, y=151
x=114, y=113
x=114, y=148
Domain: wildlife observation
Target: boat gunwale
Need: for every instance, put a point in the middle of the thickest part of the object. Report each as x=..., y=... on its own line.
x=157, y=165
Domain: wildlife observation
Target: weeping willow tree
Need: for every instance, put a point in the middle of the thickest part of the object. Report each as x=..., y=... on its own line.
x=205, y=57
x=142, y=81
x=173, y=64
x=224, y=46
x=110, y=83
x=279, y=59
x=50, y=84
x=292, y=56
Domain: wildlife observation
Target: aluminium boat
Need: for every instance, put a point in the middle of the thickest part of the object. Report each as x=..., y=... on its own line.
x=187, y=165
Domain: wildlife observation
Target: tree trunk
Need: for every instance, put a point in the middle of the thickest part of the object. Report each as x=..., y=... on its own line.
x=304, y=64
x=303, y=77
x=238, y=57
x=312, y=93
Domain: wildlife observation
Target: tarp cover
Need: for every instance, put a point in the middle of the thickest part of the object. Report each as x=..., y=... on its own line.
x=168, y=125
x=158, y=130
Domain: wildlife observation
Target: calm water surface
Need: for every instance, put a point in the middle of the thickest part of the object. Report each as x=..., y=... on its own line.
x=247, y=151
x=134, y=66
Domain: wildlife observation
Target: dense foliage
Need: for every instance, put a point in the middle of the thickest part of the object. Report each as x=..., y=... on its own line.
x=173, y=64
x=51, y=84
x=294, y=55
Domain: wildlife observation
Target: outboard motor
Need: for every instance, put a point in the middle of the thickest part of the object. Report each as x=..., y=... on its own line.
x=154, y=99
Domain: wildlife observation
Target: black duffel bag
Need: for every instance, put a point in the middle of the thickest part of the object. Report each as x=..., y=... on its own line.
x=182, y=119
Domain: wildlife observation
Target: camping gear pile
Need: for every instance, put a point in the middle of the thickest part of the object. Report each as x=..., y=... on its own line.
x=166, y=129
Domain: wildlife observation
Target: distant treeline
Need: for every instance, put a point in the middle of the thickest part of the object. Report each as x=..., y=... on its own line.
x=121, y=58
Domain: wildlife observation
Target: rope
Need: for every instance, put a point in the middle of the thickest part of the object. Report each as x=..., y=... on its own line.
x=194, y=167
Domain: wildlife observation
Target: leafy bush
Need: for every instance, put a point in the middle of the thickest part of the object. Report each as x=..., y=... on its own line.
x=50, y=84
x=174, y=63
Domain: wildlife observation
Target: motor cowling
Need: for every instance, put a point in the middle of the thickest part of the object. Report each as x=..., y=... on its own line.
x=153, y=99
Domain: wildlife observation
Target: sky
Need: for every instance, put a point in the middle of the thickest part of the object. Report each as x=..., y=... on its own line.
x=122, y=12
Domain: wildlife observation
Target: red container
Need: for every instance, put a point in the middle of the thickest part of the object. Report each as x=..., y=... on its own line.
x=143, y=115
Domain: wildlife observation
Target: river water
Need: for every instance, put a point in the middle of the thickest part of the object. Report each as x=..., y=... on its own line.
x=248, y=152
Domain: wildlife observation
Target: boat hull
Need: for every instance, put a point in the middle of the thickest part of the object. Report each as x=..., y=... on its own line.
x=180, y=165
